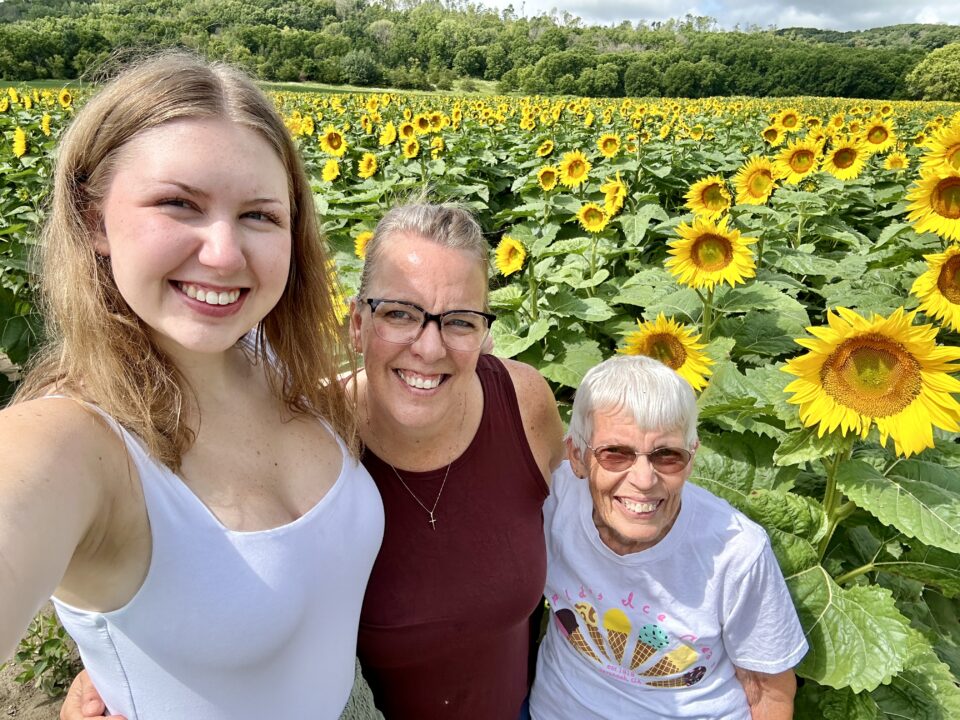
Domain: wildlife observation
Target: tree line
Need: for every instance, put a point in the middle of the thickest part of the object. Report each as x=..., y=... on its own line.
x=430, y=44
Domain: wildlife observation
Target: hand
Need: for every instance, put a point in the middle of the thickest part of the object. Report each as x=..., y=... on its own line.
x=83, y=701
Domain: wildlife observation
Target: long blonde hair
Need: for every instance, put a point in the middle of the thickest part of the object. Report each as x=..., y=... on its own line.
x=96, y=347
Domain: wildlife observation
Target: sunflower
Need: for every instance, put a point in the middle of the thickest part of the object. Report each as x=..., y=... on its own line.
x=708, y=197
x=755, y=181
x=896, y=161
x=592, y=218
x=546, y=147
x=331, y=170
x=944, y=148
x=19, y=142
x=360, y=243
x=846, y=159
x=332, y=142
x=939, y=287
x=421, y=124
x=773, y=135
x=411, y=148
x=708, y=253
x=879, y=371
x=65, y=98
x=789, y=119
x=672, y=344
x=574, y=168
x=614, y=195
x=437, y=146
x=388, y=135
x=547, y=177
x=696, y=132
x=608, y=144
x=935, y=203
x=368, y=166
x=510, y=255
x=407, y=130
x=45, y=124
x=799, y=159
x=878, y=134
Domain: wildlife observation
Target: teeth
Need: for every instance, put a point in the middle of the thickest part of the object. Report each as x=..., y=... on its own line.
x=419, y=382
x=639, y=507
x=210, y=297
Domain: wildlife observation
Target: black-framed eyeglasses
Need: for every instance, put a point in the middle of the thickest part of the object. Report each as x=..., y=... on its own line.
x=402, y=323
x=617, y=458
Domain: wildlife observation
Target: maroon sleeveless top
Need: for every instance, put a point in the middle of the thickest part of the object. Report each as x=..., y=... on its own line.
x=445, y=626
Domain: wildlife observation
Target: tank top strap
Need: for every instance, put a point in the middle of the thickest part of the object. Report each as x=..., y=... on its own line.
x=164, y=493
x=501, y=416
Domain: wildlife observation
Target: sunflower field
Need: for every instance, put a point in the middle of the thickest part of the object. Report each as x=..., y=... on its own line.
x=796, y=259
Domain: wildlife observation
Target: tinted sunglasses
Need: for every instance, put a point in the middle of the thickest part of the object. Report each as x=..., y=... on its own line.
x=618, y=458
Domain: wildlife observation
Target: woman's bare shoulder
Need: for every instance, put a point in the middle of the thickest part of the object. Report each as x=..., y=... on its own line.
x=538, y=409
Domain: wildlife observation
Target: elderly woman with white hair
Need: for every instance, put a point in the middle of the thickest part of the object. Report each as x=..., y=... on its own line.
x=666, y=602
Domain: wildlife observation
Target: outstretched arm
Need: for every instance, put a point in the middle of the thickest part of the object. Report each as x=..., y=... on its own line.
x=770, y=696
x=51, y=493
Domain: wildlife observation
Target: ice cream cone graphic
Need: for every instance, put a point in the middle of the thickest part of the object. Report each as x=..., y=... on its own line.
x=617, y=625
x=675, y=661
x=685, y=680
x=568, y=623
x=589, y=615
x=650, y=639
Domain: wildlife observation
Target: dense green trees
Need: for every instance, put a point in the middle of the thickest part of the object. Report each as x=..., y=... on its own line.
x=419, y=43
x=937, y=76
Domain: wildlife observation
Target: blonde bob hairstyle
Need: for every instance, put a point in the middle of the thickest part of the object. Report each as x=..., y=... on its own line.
x=96, y=348
x=655, y=396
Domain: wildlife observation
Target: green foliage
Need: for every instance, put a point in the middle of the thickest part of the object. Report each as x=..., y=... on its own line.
x=937, y=76
x=310, y=41
x=46, y=656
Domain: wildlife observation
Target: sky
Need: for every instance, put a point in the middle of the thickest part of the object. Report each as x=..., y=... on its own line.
x=823, y=14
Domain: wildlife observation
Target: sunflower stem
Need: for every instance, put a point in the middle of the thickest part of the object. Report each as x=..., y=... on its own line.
x=847, y=577
x=796, y=243
x=832, y=495
x=534, y=291
x=707, y=318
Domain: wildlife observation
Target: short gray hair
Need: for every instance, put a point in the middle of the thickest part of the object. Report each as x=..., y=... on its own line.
x=653, y=393
x=446, y=224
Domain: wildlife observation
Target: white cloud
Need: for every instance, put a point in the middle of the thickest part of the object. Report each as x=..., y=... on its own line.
x=825, y=14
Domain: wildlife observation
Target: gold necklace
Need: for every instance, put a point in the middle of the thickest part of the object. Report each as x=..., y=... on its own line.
x=433, y=521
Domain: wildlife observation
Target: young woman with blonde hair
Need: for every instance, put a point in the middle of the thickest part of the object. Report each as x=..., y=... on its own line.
x=180, y=474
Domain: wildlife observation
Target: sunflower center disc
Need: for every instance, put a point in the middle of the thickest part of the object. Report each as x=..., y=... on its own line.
x=845, y=158
x=759, y=183
x=712, y=252
x=946, y=198
x=877, y=135
x=801, y=161
x=872, y=375
x=668, y=350
x=948, y=282
x=713, y=198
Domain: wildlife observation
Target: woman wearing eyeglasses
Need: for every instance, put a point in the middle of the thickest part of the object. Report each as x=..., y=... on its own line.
x=461, y=446
x=665, y=601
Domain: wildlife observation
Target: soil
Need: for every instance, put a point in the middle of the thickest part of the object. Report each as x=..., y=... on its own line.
x=23, y=701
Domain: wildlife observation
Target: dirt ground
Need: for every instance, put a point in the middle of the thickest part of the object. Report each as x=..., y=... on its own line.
x=24, y=702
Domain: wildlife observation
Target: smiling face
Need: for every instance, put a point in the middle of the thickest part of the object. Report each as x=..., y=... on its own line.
x=196, y=223
x=421, y=385
x=635, y=508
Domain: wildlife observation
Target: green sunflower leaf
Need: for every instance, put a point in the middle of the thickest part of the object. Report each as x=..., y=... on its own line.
x=917, y=507
x=857, y=635
x=789, y=512
x=803, y=446
x=569, y=368
x=929, y=565
x=925, y=690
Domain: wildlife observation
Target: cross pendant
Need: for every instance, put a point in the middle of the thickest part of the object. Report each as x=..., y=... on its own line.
x=433, y=522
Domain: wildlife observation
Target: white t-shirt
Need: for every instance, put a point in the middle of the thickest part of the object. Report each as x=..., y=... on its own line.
x=657, y=633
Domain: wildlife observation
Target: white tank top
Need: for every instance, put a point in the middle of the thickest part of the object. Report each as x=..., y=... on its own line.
x=232, y=625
